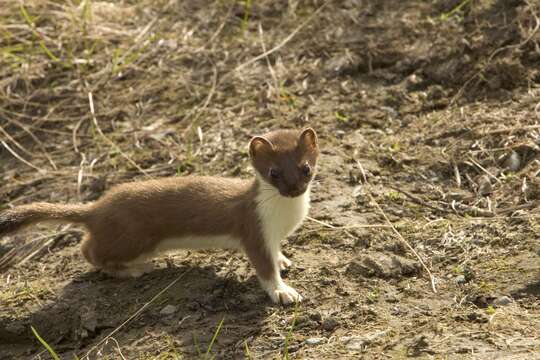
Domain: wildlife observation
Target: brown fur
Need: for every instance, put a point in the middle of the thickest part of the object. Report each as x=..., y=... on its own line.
x=287, y=152
x=132, y=219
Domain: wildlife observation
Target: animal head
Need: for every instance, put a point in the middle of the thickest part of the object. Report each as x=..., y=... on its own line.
x=286, y=159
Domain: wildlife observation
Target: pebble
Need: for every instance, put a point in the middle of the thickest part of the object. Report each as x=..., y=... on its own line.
x=330, y=324
x=168, y=310
x=360, y=342
x=513, y=162
x=502, y=301
x=484, y=186
x=315, y=316
x=314, y=341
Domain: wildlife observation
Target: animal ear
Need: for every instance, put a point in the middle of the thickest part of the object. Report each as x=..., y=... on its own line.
x=308, y=139
x=259, y=145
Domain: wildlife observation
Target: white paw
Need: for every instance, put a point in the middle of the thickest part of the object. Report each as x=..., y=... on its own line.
x=285, y=295
x=283, y=262
x=131, y=271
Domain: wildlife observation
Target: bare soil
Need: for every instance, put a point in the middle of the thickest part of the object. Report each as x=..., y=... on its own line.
x=428, y=109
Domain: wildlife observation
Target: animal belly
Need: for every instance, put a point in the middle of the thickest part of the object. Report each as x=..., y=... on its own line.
x=198, y=242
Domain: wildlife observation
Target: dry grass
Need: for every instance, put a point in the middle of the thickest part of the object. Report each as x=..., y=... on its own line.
x=424, y=101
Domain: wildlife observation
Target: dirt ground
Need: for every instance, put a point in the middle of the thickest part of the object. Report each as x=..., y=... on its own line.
x=429, y=110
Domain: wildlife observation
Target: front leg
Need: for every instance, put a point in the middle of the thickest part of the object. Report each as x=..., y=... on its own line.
x=283, y=262
x=267, y=267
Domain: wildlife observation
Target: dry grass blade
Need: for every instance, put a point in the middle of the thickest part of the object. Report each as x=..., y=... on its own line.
x=21, y=159
x=398, y=234
x=270, y=69
x=200, y=109
x=30, y=249
x=284, y=41
x=479, y=73
x=116, y=147
x=133, y=316
x=330, y=226
x=419, y=201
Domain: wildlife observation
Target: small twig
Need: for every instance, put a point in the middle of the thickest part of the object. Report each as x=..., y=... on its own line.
x=362, y=170
x=419, y=201
x=284, y=42
x=518, y=207
x=205, y=104
x=219, y=29
x=330, y=226
x=21, y=159
x=511, y=129
x=484, y=170
x=74, y=135
x=457, y=174
x=431, y=277
x=80, y=175
x=337, y=228
x=493, y=54
x=274, y=77
x=30, y=249
x=35, y=138
x=117, y=347
x=117, y=148
x=462, y=209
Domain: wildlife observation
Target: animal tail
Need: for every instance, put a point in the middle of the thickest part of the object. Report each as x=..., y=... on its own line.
x=12, y=220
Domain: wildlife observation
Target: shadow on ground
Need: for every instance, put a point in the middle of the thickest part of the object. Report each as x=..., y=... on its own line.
x=92, y=305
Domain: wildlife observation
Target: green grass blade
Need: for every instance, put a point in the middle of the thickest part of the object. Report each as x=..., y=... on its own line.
x=247, y=11
x=42, y=45
x=246, y=350
x=48, y=52
x=289, y=334
x=197, y=347
x=445, y=16
x=26, y=16
x=44, y=343
x=216, y=333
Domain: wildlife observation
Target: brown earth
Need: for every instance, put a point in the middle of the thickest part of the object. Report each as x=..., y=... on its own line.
x=429, y=109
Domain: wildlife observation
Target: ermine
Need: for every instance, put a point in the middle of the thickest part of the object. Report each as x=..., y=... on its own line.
x=133, y=222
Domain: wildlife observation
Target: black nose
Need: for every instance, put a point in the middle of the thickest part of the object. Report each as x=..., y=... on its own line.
x=295, y=190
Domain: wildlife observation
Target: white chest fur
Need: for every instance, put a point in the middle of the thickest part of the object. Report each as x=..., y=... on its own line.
x=198, y=242
x=280, y=216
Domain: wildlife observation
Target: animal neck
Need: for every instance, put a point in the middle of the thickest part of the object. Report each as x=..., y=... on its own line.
x=279, y=215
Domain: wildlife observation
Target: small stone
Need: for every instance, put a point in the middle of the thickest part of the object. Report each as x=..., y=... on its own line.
x=356, y=344
x=513, y=161
x=477, y=317
x=502, y=301
x=390, y=111
x=484, y=186
x=460, y=279
x=419, y=345
x=89, y=320
x=315, y=316
x=330, y=324
x=314, y=341
x=360, y=342
x=168, y=310
x=390, y=299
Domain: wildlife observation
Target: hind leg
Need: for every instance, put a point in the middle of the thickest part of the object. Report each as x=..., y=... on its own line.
x=132, y=269
x=87, y=249
x=112, y=260
x=128, y=270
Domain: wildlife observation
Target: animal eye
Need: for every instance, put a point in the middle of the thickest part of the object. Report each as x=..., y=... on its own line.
x=306, y=169
x=274, y=174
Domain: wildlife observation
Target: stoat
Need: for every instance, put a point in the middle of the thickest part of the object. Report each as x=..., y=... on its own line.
x=135, y=221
